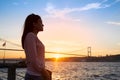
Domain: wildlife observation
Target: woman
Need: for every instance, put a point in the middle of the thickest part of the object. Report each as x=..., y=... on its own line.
x=34, y=49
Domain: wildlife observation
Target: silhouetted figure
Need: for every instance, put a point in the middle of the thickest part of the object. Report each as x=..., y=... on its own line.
x=34, y=49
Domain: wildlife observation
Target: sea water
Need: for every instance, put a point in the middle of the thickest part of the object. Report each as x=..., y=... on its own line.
x=75, y=71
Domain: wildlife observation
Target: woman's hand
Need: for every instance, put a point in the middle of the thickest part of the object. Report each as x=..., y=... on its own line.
x=46, y=74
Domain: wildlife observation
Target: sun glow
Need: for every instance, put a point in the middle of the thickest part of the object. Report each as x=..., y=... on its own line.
x=57, y=56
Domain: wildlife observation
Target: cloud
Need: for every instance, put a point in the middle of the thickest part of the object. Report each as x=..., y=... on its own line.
x=50, y=8
x=53, y=12
x=63, y=13
x=113, y=23
x=91, y=6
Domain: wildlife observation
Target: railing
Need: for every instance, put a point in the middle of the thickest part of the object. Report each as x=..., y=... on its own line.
x=12, y=69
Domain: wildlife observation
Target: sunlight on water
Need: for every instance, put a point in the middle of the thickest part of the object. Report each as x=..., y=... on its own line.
x=76, y=71
x=84, y=70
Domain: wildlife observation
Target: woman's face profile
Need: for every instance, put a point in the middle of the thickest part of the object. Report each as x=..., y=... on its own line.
x=38, y=25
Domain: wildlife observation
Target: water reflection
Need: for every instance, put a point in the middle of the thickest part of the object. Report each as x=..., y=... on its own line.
x=85, y=71
x=78, y=71
x=56, y=75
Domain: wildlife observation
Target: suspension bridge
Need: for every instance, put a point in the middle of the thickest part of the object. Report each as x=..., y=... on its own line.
x=4, y=44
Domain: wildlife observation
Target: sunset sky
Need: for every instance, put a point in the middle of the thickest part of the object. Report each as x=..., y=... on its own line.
x=70, y=26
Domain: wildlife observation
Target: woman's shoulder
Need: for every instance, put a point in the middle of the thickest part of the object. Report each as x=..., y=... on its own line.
x=30, y=35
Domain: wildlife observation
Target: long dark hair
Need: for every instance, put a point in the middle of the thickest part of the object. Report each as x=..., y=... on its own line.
x=28, y=26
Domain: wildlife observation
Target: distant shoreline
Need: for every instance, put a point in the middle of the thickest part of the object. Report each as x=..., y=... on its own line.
x=111, y=58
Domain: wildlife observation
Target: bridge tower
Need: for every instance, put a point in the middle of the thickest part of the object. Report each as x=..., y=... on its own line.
x=89, y=51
